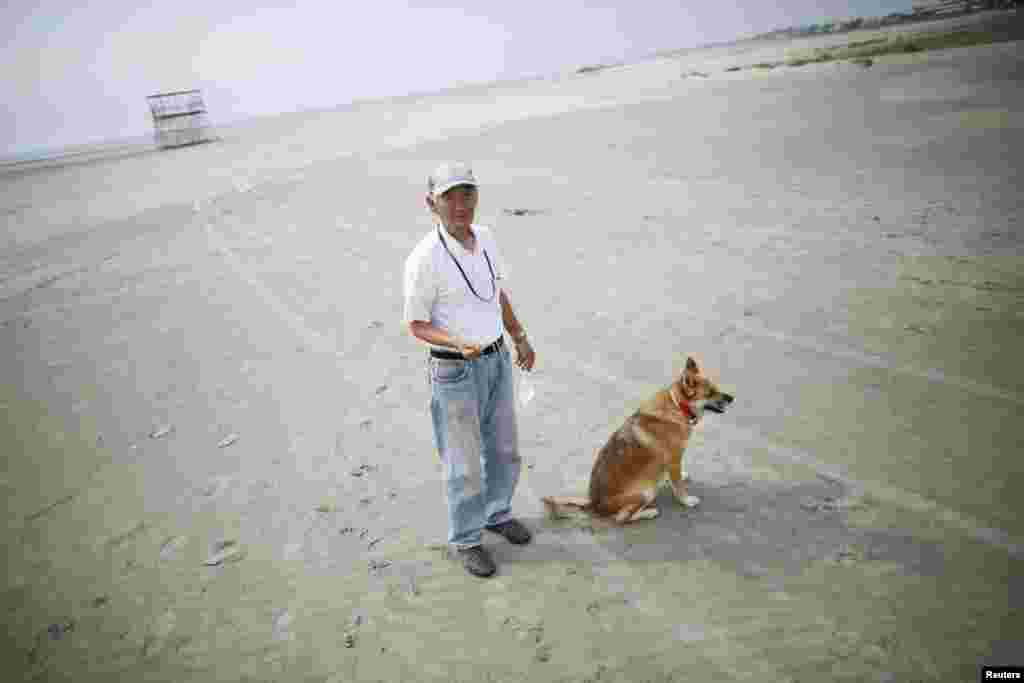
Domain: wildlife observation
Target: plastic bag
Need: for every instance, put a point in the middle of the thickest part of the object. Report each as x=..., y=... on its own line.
x=525, y=390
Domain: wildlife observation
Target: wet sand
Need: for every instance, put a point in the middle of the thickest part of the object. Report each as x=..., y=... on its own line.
x=217, y=459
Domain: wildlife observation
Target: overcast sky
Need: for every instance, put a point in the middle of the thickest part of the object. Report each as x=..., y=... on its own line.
x=77, y=72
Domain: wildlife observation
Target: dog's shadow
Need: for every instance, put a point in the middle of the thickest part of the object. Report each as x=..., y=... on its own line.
x=750, y=525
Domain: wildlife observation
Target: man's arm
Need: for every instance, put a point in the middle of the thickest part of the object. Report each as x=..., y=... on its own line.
x=435, y=336
x=508, y=317
x=525, y=357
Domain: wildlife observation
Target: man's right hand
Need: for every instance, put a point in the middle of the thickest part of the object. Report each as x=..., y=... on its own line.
x=424, y=331
x=469, y=351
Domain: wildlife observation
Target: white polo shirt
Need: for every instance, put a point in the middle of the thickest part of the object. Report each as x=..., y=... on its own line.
x=435, y=290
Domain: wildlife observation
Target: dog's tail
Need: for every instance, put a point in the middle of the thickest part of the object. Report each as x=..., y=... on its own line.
x=560, y=506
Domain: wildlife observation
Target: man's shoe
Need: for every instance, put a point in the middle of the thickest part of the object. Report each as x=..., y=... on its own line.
x=512, y=529
x=477, y=561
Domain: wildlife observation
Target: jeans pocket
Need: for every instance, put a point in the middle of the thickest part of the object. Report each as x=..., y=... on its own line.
x=450, y=371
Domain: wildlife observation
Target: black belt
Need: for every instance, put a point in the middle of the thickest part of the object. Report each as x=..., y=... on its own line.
x=452, y=355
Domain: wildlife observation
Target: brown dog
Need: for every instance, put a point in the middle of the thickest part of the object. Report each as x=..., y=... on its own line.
x=650, y=444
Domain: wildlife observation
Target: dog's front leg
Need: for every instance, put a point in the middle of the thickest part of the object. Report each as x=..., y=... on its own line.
x=680, y=484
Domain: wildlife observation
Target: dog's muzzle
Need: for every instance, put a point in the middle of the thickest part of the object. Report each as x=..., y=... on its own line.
x=719, y=404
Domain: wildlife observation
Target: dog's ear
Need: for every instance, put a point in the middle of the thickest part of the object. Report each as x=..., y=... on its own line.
x=691, y=366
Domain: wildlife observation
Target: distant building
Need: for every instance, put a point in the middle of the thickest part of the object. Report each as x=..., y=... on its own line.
x=179, y=118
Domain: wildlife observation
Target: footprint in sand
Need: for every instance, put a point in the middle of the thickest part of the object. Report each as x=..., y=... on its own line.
x=158, y=634
x=531, y=633
x=117, y=540
x=46, y=644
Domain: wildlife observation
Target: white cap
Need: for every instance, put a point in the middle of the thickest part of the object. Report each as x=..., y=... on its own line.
x=448, y=175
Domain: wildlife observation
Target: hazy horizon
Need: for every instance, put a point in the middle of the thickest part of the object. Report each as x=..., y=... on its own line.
x=80, y=75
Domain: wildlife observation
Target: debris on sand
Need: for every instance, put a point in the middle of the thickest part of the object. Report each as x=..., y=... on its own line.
x=829, y=504
x=523, y=212
x=733, y=68
x=227, y=440
x=350, y=639
x=224, y=552
x=40, y=513
x=376, y=565
x=215, y=487
x=695, y=74
x=362, y=469
x=171, y=546
x=282, y=622
x=809, y=504
x=161, y=432
x=846, y=554
x=57, y=631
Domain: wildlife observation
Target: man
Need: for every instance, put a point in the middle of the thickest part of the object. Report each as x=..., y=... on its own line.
x=454, y=303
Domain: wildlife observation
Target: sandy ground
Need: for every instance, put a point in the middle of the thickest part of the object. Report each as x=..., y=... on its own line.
x=216, y=450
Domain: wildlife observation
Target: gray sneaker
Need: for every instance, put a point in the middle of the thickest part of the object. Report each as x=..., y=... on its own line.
x=477, y=561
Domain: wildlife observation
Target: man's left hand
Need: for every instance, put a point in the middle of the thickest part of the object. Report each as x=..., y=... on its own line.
x=525, y=356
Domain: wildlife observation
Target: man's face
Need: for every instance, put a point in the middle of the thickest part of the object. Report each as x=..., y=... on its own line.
x=457, y=206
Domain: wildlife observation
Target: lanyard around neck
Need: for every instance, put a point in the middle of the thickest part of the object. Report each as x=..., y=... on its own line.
x=469, y=284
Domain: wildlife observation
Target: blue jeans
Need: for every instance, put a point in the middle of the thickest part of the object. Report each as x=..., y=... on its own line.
x=473, y=409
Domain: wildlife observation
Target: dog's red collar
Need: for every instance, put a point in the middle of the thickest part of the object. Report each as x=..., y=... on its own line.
x=684, y=408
